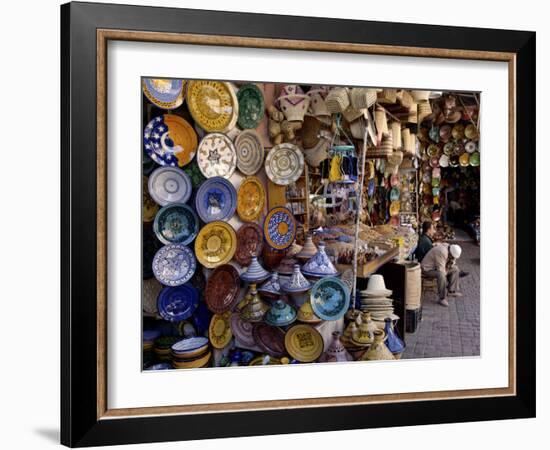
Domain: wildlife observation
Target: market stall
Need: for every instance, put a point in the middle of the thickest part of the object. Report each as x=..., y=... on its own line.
x=279, y=221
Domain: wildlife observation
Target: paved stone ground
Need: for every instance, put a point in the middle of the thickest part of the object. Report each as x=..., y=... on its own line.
x=452, y=331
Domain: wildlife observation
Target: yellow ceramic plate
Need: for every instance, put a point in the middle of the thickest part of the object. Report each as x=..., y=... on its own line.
x=215, y=244
x=250, y=199
x=464, y=159
x=184, y=138
x=150, y=208
x=219, y=330
x=304, y=343
x=213, y=105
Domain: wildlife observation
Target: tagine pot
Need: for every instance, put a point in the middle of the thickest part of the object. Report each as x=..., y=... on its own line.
x=378, y=350
x=336, y=352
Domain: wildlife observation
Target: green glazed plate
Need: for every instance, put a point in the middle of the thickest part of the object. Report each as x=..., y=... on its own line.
x=251, y=106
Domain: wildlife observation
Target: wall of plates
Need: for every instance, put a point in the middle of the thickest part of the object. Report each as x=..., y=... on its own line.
x=258, y=200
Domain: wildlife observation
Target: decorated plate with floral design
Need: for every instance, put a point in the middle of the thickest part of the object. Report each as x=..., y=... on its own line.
x=284, y=164
x=304, y=343
x=216, y=156
x=250, y=199
x=216, y=199
x=213, y=105
x=215, y=245
x=251, y=106
x=174, y=264
x=176, y=224
x=166, y=93
x=250, y=152
x=279, y=228
x=170, y=140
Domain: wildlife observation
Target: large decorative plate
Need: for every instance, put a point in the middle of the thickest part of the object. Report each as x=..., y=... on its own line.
x=164, y=93
x=148, y=208
x=304, y=343
x=169, y=185
x=249, y=242
x=270, y=339
x=216, y=156
x=219, y=330
x=216, y=244
x=222, y=289
x=279, y=228
x=177, y=303
x=284, y=164
x=250, y=199
x=213, y=105
x=176, y=224
x=190, y=347
x=251, y=106
x=242, y=330
x=169, y=140
x=216, y=199
x=250, y=152
x=174, y=265
x=330, y=298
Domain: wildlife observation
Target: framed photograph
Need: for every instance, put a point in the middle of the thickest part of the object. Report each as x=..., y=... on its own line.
x=278, y=224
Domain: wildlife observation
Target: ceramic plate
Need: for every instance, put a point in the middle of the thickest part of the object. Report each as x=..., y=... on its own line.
x=250, y=152
x=249, y=242
x=216, y=156
x=396, y=206
x=242, y=331
x=216, y=199
x=219, y=330
x=213, y=105
x=394, y=194
x=464, y=159
x=279, y=228
x=222, y=289
x=189, y=345
x=176, y=224
x=164, y=93
x=177, y=303
x=284, y=164
x=169, y=185
x=149, y=207
x=251, y=106
x=471, y=147
x=169, y=140
x=270, y=339
x=304, y=343
x=216, y=244
x=174, y=264
x=474, y=159
x=250, y=199
x=330, y=298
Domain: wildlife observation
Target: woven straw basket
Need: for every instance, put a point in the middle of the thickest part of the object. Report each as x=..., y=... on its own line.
x=337, y=100
x=387, y=96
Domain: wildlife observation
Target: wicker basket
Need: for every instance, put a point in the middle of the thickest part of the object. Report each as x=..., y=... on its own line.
x=405, y=98
x=362, y=98
x=381, y=121
x=387, y=96
x=396, y=134
x=337, y=100
x=413, y=285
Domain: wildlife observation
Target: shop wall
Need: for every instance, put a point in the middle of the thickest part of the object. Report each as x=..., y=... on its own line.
x=30, y=290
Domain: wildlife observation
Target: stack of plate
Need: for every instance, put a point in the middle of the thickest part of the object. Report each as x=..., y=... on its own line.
x=163, y=345
x=190, y=353
x=379, y=307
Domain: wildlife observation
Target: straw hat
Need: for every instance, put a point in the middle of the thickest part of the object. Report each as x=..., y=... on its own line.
x=376, y=287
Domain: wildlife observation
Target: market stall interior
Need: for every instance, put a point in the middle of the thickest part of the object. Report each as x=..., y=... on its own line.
x=280, y=221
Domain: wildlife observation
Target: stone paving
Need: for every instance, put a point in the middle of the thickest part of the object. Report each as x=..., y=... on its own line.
x=452, y=331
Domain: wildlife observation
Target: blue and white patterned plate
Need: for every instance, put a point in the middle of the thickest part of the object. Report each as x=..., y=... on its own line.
x=330, y=298
x=169, y=185
x=176, y=224
x=177, y=303
x=160, y=366
x=216, y=199
x=164, y=93
x=174, y=265
x=279, y=228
